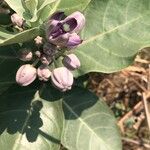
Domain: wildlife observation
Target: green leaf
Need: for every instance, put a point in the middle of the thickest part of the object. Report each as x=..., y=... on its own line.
x=43, y=10
x=89, y=124
x=32, y=119
x=31, y=5
x=68, y=6
x=28, y=122
x=7, y=38
x=115, y=31
x=9, y=63
x=43, y=3
x=17, y=6
x=5, y=19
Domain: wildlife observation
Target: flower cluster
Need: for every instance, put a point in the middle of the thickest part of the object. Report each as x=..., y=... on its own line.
x=61, y=37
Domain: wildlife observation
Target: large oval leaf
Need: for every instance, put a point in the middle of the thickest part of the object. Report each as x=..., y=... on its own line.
x=89, y=124
x=115, y=30
x=30, y=119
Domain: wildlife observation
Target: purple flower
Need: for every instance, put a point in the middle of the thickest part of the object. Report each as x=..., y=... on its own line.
x=26, y=74
x=64, y=32
x=80, y=21
x=17, y=20
x=74, y=41
x=43, y=73
x=62, y=78
x=71, y=62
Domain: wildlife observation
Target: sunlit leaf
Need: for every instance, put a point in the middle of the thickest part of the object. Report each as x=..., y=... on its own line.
x=115, y=31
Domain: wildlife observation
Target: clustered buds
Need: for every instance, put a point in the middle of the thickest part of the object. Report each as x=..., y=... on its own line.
x=61, y=35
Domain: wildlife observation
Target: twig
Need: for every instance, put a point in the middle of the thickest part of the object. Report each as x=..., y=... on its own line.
x=143, y=61
x=139, y=85
x=147, y=108
x=146, y=95
x=137, y=108
x=140, y=143
x=148, y=79
x=139, y=121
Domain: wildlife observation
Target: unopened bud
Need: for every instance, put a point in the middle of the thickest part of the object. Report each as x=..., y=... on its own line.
x=43, y=73
x=71, y=62
x=74, y=41
x=17, y=20
x=49, y=49
x=26, y=74
x=38, y=54
x=62, y=78
x=25, y=55
x=38, y=40
x=46, y=60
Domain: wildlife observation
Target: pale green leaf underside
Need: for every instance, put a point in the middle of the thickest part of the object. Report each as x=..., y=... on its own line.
x=89, y=124
x=9, y=38
x=115, y=30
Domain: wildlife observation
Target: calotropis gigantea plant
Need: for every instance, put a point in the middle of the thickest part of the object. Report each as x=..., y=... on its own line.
x=44, y=44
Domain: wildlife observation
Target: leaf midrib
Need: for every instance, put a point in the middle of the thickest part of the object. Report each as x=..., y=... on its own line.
x=80, y=119
x=14, y=35
x=112, y=30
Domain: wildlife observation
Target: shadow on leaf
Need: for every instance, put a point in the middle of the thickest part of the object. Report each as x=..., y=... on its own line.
x=76, y=101
x=19, y=114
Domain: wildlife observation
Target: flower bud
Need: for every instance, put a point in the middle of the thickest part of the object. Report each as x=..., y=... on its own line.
x=80, y=19
x=62, y=78
x=25, y=55
x=26, y=74
x=17, y=20
x=71, y=62
x=38, y=54
x=38, y=40
x=46, y=60
x=74, y=41
x=43, y=73
x=49, y=49
x=67, y=40
x=60, y=40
